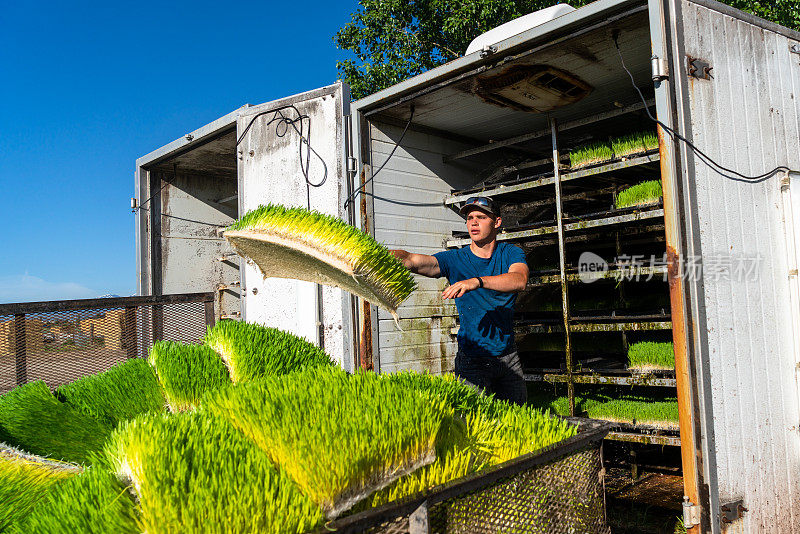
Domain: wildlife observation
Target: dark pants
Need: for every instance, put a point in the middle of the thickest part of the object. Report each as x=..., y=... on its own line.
x=501, y=375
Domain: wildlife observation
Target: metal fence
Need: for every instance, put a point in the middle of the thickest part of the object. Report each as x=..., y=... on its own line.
x=556, y=490
x=61, y=341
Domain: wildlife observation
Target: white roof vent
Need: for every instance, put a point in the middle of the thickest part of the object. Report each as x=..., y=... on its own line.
x=518, y=25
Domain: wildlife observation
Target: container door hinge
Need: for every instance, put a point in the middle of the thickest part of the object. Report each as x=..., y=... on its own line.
x=352, y=165
x=691, y=513
x=659, y=68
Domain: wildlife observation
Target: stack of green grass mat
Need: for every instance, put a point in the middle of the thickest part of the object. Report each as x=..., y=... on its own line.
x=658, y=409
x=255, y=430
x=642, y=193
x=619, y=147
x=651, y=356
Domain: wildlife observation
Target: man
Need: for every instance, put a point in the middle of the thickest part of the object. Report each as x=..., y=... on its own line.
x=484, y=280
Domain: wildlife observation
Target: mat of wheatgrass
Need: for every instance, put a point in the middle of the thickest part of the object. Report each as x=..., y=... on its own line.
x=651, y=356
x=121, y=393
x=35, y=421
x=635, y=143
x=639, y=194
x=482, y=432
x=186, y=372
x=252, y=351
x=640, y=406
x=194, y=473
x=307, y=245
x=339, y=437
x=25, y=480
x=91, y=502
x=590, y=154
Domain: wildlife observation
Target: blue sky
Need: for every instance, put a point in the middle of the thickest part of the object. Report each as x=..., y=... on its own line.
x=87, y=88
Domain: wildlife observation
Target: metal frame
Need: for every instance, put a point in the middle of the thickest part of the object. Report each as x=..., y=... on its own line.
x=503, y=189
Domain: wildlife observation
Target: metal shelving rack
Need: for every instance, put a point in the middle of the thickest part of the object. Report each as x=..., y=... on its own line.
x=566, y=230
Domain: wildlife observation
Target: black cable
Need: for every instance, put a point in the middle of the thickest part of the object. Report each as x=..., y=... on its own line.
x=702, y=156
x=402, y=203
x=282, y=120
x=166, y=183
x=189, y=220
x=364, y=185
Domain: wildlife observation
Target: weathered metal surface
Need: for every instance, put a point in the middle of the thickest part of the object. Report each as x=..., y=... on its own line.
x=746, y=117
x=565, y=177
x=621, y=327
x=624, y=273
x=269, y=170
x=647, y=439
x=633, y=380
x=565, y=309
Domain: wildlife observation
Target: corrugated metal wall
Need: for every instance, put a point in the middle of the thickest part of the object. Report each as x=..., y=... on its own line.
x=416, y=174
x=748, y=118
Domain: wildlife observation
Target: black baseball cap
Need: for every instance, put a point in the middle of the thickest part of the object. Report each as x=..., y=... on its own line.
x=482, y=203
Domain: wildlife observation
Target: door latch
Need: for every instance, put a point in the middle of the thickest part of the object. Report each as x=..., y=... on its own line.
x=691, y=513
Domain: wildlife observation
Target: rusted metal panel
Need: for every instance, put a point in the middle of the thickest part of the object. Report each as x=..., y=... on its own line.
x=746, y=117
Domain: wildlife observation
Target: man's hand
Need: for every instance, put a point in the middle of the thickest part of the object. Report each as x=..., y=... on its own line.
x=459, y=288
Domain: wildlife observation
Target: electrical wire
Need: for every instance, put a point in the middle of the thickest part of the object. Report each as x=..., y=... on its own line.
x=189, y=220
x=364, y=185
x=284, y=121
x=702, y=156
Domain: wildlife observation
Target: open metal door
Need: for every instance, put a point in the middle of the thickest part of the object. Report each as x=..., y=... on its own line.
x=276, y=166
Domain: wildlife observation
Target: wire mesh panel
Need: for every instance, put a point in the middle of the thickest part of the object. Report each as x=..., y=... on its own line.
x=61, y=341
x=557, y=490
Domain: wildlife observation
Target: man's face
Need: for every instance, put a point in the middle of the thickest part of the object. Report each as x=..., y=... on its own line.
x=481, y=226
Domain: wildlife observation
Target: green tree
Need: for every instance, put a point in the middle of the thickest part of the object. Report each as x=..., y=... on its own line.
x=394, y=40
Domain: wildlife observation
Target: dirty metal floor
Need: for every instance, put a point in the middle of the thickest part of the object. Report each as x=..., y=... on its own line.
x=650, y=505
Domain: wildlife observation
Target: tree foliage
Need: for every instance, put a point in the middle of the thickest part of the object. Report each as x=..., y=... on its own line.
x=394, y=40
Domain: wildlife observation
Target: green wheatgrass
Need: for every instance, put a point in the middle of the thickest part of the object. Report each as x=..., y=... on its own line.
x=121, y=393
x=252, y=351
x=339, y=437
x=482, y=432
x=648, y=356
x=632, y=407
x=635, y=143
x=186, y=372
x=590, y=154
x=24, y=481
x=642, y=193
x=36, y=422
x=93, y=501
x=323, y=249
x=194, y=473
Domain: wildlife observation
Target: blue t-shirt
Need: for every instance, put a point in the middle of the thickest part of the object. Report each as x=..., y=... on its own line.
x=485, y=315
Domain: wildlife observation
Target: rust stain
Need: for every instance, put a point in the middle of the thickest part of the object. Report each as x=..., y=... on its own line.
x=690, y=450
x=365, y=351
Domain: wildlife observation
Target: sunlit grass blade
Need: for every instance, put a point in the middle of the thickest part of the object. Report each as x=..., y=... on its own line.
x=635, y=143
x=339, y=437
x=33, y=420
x=648, y=356
x=308, y=245
x=642, y=193
x=253, y=351
x=93, y=501
x=194, y=473
x=590, y=154
x=186, y=372
x=116, y=395
x=482, y=433
x=24, y=481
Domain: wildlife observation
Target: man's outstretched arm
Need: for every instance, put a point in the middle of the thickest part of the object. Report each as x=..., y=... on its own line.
x=418, y=263
x=513, y=281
